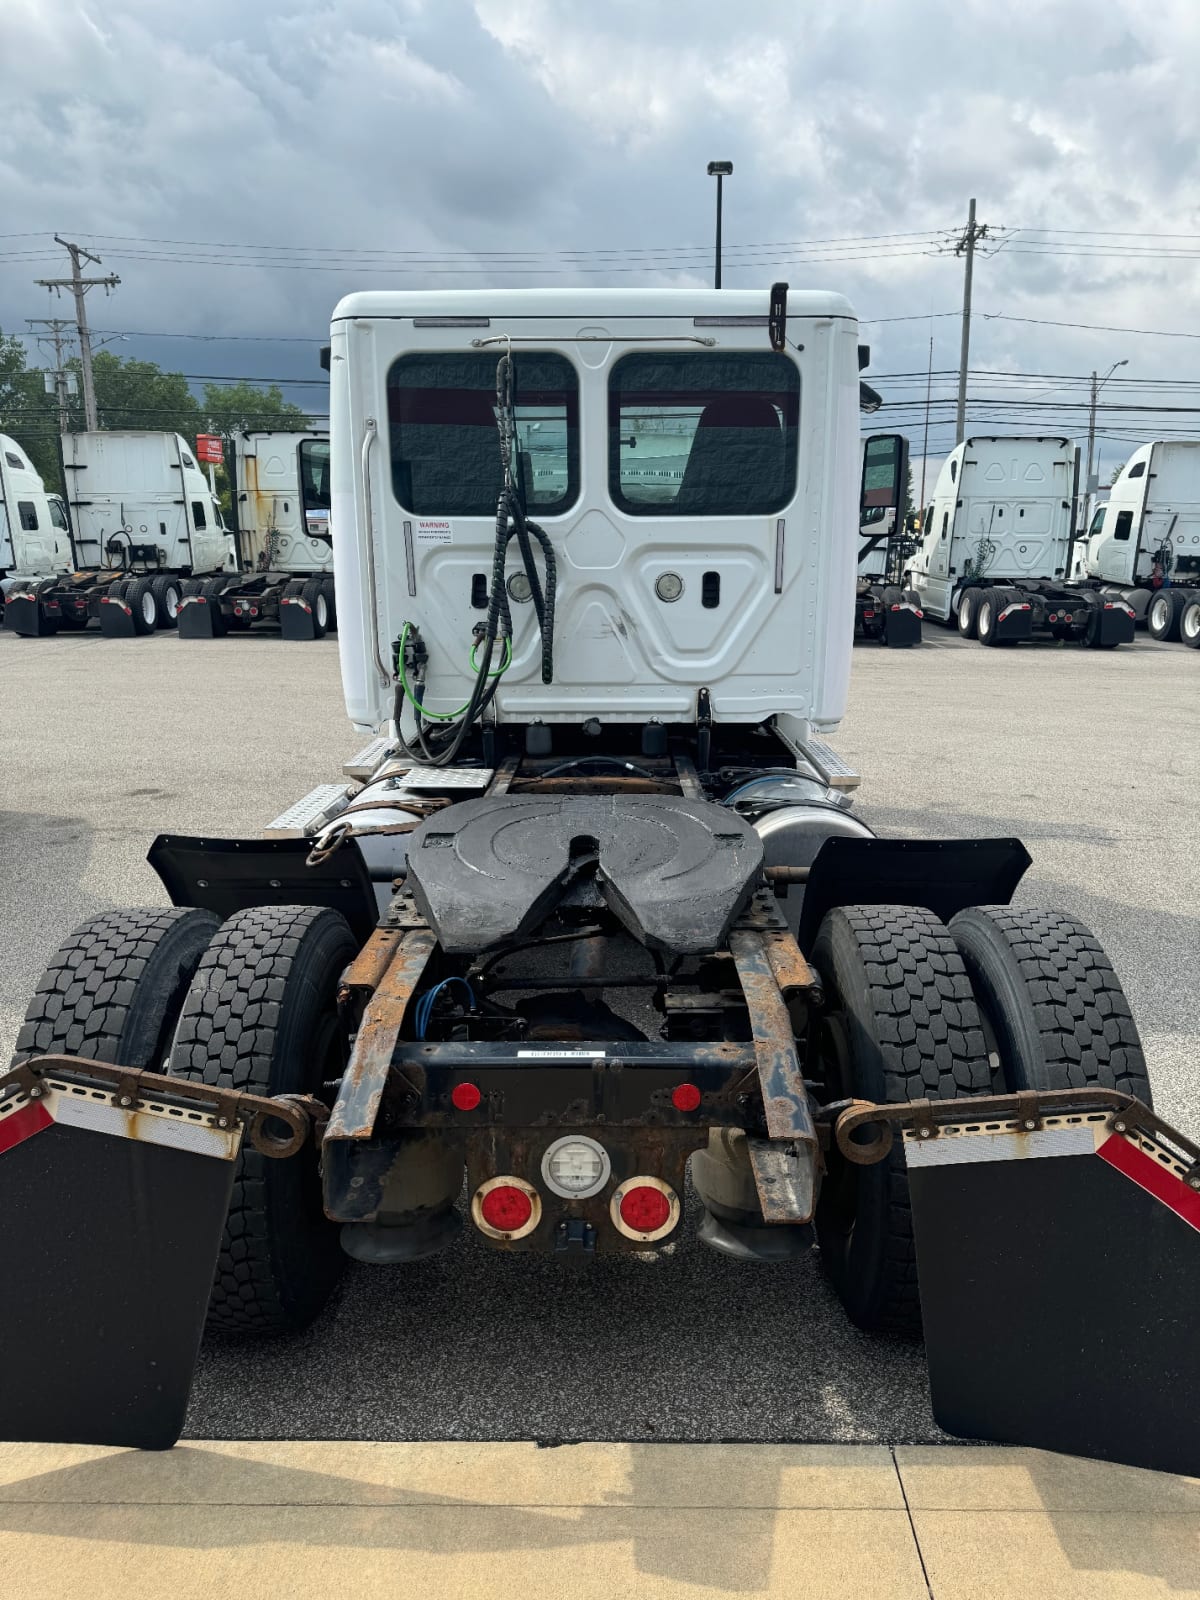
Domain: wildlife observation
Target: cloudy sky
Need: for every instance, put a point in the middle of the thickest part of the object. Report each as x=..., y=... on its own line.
x=242, y=163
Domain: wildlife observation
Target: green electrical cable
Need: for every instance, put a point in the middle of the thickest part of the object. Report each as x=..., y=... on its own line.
x=443, y=716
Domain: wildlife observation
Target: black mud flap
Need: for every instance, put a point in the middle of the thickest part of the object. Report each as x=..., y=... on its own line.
x=110, y=1223
x=116, y=618
x=1014, y=623
x=1060, y=1287
x=198, y=617
x=30, y=617
x=1118, y=623
x=902, y=627
x=296, y=618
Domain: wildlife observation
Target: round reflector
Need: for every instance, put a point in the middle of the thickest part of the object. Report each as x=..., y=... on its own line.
x=576, y=1168
x=644, y=1208
x=465, y=1096
x=506, y=1208
x=685, y=1097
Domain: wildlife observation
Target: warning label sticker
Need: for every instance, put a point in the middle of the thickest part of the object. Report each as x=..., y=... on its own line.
x=562, y=1055
x=435, y=530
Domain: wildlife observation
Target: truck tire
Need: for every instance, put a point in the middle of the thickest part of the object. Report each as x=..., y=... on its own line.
x=167, y=594
x=987, y=617
x=261, y=1015
x=315, y=596
x=1051, y=1001
x=968, y=607
x=1164, y=613
x=115, y=988
x=331, y=601
x=902, y=1025
x=138, y=595
x=1189, y=624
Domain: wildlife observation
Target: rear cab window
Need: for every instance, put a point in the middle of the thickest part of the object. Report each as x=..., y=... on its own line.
x=314, y=486
x=27, y=512
x=445, y=443
x=703, y=433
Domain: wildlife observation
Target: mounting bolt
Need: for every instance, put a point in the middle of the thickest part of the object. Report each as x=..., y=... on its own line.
x=222, y=1122
x=925, y=1132
x=36, y=1092
x=1030, y=1123
x=124, y=1100
x=1118, y=1127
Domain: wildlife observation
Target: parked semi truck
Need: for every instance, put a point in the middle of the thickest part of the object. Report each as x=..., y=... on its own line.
x=1143, y=545
x=997, y=543
x=594, y=912
x=144, y=521
x=885, y=606
x=35, y=539
x=285, y=549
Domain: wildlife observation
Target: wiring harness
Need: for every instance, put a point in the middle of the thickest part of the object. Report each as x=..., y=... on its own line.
x=440, y=735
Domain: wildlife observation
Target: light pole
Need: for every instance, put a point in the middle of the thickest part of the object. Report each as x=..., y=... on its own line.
x=1087, y=482
x=720, y=170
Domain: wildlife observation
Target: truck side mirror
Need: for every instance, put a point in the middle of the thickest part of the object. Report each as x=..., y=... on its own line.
x=884, y=473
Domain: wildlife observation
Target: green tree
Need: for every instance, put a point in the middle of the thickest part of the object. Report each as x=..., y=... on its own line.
x=139, y=394
x=27, y=412
x=232, y=408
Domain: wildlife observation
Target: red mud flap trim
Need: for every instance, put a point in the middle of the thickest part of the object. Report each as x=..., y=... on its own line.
x=296, y=618
x=116, y=618
x=1059, y=1271
x=110, y=1222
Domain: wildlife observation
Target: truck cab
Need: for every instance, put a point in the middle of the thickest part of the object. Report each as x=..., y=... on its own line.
x=701, y=515
x=1002, y=509
x=35, y=538
x=141, y=502
x=282, y=487
x=1149, y=529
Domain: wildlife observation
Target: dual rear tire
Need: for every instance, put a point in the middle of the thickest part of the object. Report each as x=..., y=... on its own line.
x=249, y=1005
x=997, y=1001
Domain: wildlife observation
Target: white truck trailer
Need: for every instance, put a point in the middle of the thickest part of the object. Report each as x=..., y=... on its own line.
x=885, y=606
x=144, y=522
x=285, y=547
x=1143, y=545
x=594, y=915
x=35, y=538
x=997, y=544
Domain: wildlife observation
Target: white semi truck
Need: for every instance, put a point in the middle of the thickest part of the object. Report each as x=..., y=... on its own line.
x=1143, y=545
x=35, y=538
x=885, y=606
x=593, y=916
x=997, y=544
x=281, y=495
x=144, y=522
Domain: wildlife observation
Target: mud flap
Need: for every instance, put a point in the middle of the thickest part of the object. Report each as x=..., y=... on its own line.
x=902, y=626
x=116, y=618
x=30, y=616
x=198, y=617
x=1060, y=1286
x=296, y=618
x=110, y=1224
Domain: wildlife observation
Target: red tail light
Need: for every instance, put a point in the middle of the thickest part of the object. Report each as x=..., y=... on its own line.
x=644, y=1208
x=506, y=1208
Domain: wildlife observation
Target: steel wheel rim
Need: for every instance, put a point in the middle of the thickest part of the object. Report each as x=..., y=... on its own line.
x=1159, y=612
x=1190, y=625
x=149, y=608
x=171, y=599
x=984, y=622
x=321, y=610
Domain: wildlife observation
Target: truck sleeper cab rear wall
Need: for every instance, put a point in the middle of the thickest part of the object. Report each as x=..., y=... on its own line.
x=772, y=644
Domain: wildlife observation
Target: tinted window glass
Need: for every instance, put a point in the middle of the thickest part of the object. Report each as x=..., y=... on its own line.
x=1138, y=470
x=1124, y=524
x=1097, y=522
x=314, y=486
x=698, y=434
x=198, y=519
x=187, y=460
x=13, y=460
x=28, y=514
x=881, y=463
x=445, y=444
x=58, y=516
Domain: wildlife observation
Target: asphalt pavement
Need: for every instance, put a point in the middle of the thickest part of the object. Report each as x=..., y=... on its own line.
x=1091, y=758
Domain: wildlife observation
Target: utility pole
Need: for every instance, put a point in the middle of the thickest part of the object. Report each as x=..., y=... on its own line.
x=966, y=247
x=79, y=286
x=64, y=382
x=925, y=446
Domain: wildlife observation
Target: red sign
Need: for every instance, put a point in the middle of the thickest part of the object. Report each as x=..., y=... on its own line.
x=208, y=448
